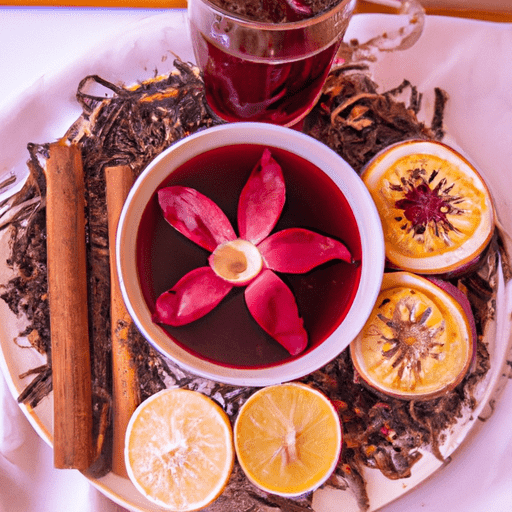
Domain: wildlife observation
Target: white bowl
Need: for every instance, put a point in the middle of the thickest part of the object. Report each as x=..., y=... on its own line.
x=342, y=178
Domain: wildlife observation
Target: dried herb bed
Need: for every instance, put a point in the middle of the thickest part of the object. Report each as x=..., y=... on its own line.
x=131, y=126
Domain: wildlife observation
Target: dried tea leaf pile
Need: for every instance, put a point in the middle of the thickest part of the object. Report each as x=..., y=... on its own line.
x=356, y=121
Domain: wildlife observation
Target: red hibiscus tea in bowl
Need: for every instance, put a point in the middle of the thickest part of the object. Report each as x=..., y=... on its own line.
x=266, y=61
x=229, y=334
x=247, y=262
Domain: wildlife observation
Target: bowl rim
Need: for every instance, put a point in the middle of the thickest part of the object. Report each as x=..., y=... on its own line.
x=305, y=146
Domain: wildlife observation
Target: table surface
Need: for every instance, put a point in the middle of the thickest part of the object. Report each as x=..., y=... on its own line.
x=35, y=40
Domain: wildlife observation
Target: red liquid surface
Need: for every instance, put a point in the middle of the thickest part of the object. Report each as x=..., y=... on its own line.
x=228, y=335
x=239, y=89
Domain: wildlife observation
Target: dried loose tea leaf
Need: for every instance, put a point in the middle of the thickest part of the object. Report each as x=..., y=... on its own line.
x=357, y=121
x=131, y=125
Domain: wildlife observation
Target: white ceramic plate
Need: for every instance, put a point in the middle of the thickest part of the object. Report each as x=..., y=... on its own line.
x=48, y=109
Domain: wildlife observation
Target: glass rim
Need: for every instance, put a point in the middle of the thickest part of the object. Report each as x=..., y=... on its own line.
x=275, y=27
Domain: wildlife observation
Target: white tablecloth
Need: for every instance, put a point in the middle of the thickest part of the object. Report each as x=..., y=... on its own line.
x=33, y=41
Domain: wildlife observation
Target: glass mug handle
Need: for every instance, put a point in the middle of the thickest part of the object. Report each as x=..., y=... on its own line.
x=391, y=40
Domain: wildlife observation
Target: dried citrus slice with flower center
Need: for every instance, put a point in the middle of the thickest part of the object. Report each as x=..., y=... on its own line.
x=418, y=341
x=179, y=449
x=288, y=439
x=436, y=211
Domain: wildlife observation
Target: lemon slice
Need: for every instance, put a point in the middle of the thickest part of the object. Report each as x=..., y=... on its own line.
x=436, y=211
x=288, y=439
x=418, y=342
x=179, y=449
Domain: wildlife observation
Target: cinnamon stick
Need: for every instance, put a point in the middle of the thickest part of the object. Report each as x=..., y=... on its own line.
x=125, y=392
x=67, y=290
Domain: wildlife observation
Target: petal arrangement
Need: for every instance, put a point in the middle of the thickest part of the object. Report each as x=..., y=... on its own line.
x=250, y=259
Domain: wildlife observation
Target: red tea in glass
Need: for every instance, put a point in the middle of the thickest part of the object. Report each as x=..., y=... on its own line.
x=261, y=70
x=228, y=334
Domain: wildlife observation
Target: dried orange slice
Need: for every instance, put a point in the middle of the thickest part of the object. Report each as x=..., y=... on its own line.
x=418, y=342
x=436, y=211
x=179, y=449
x=288, y=439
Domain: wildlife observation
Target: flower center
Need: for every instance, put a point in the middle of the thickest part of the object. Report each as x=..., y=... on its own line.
x=237, y=261
x=423, y=205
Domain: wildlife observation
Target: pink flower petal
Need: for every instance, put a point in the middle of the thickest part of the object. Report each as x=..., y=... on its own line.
x=192, y=297
x=300, y=7
x=273, y=306
x=262, y=200
x=297, y=250
x=195, y=216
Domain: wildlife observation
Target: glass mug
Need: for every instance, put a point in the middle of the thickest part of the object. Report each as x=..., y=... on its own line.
x=263, y=71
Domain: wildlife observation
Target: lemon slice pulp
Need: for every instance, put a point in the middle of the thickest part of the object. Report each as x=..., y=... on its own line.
x=288, y=439
x=436, y=211
x=179, y=449
x=418, y=341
